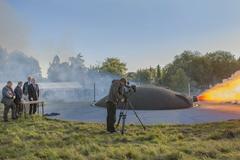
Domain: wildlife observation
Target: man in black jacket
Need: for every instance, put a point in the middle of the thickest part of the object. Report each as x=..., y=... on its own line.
x=33, y=95
x=7, y=99
x=25, y=87
x=18, y=93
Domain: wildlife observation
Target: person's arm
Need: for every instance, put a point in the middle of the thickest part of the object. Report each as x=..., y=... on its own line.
x=120, y=93
x=6, y=93
x=16, y=93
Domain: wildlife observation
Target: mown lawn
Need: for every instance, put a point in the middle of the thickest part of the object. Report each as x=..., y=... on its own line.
x=41, y=138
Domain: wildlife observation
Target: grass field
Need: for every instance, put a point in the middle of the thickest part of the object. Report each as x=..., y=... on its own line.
x=41, y=138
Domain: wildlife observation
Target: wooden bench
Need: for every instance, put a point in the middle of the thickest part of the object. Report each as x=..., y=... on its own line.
x=26, y=104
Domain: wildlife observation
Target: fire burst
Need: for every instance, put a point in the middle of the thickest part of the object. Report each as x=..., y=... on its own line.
x=228, y=91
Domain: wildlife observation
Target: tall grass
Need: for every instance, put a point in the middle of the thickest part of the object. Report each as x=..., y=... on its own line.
x=45, y=139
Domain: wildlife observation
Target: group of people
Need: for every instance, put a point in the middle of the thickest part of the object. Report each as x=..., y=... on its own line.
x=29, y=91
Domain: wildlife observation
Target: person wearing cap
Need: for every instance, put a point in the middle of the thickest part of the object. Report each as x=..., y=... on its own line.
x=19, y=93
x=114, y=97
x=8, y=97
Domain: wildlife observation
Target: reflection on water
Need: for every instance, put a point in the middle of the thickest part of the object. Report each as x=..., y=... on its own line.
x=83, y=111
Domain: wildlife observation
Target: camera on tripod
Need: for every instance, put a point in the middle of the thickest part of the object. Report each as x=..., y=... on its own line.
x=129, y=90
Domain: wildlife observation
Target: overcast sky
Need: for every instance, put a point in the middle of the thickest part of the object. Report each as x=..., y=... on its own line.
x=142, y=33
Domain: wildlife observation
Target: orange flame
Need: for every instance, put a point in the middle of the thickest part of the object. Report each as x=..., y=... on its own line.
x=228, y=91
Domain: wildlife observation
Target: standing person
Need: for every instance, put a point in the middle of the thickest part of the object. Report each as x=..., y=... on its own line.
x=115, y=96
x=33, y=95
x=8, y=97
x=18, y=93
x=25, y=87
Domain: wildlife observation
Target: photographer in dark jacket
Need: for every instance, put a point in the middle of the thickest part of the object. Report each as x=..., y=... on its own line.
x=18, y=93
x=8, y=97
x=33, y=95
x=114, y=97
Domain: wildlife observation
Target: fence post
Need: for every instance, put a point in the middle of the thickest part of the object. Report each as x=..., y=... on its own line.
x=94, y=94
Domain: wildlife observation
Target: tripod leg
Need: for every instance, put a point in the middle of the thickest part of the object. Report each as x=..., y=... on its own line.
x=123, y=123
x=119, y=119
x=130, y=104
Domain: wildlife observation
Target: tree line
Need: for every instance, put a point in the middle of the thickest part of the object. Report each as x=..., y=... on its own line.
x=188, y=68
x=200, y=71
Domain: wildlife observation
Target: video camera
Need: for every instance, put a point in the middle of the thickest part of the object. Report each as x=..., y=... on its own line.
x=129, y=90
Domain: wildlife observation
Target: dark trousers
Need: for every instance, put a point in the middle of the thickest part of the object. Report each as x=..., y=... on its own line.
x=11, y=106
x=111, y=116
x=33, y=109
x=19, y=109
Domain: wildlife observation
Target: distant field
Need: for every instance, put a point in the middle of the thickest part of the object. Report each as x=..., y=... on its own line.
x=40, y=138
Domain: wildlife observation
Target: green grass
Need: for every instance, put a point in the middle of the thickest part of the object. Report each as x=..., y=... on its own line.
x=41, y=138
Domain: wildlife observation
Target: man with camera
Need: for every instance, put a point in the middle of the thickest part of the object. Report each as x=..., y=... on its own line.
x=8, y=97
x=116, y=94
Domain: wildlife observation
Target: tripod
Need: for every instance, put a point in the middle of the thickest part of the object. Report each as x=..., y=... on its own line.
x=123, y=115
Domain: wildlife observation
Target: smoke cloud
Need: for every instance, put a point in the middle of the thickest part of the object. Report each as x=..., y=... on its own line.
x=12, y=30
x=67, y=81
x=73, y=84
x=16, y=66
x=73, y=81
x=94, y=84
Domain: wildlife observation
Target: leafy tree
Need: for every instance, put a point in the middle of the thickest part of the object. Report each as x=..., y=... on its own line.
x=185, y=61
x=131, y=76
x=159, y=75
x=152, y=74
x=146, y=75
x=56, y=60
x=67, y=71
x=223, y=64
x=142, y=76
x=58, y=71
x=179, y=81
x=77, y=62
x=202, y=70
x=114, y=66
x=167, y=72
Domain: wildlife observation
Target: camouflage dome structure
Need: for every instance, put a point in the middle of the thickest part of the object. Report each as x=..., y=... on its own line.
x=155, y=98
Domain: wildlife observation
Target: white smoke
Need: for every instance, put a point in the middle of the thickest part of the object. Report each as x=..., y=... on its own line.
x=16, y=66
x=13, y=31
x=76, y=81
x=90, y=89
